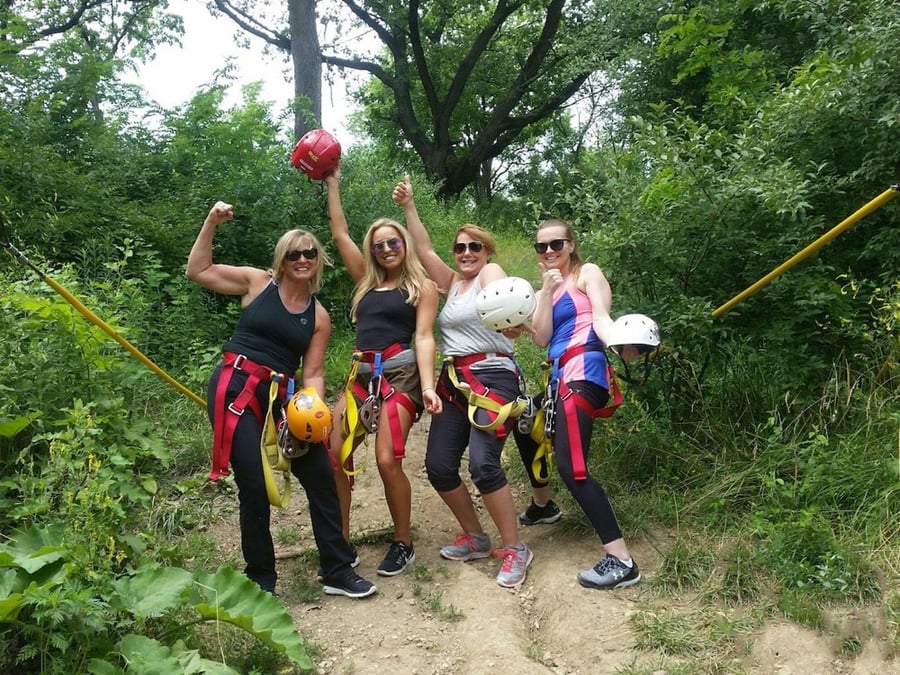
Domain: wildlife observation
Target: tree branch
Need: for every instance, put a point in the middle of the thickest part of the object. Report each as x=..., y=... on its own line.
x=248, y=23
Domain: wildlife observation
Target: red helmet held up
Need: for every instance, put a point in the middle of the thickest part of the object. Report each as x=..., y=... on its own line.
x=317, y=154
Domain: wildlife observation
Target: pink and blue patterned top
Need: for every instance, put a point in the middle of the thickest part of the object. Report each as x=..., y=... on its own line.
x=572, y=328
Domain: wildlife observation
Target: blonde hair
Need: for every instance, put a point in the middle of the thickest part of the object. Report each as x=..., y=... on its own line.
x=412, y=277
x=575, y=259
x=300, y=239
x=478, y=234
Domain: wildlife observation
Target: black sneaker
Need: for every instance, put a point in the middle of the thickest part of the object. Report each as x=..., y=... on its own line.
x=354, y=564
x=535, y=514
x=398, y=557
x=349, y=584
x=610, y=574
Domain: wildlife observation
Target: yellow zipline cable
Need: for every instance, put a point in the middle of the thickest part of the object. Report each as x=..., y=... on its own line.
x=96, y=320
x=876, y=203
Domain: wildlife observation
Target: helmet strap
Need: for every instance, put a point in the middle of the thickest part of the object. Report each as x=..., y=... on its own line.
x=649, y=358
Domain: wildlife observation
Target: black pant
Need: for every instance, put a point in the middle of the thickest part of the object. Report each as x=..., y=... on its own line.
x=451, y=432
x=315, y=473
x=589, y=494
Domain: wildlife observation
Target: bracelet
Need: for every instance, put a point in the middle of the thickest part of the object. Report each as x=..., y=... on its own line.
x=427, y=388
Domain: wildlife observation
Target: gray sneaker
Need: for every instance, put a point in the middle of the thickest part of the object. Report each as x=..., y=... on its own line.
x=610, y=574
x=515, y=563
x=468, y=547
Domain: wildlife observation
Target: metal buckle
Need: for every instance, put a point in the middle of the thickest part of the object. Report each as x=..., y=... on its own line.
x=370, y=412
x=291, y=447
x=234, y=410
x=526, y=417
x=549, y=406
x=238, y=362
x=375, y=385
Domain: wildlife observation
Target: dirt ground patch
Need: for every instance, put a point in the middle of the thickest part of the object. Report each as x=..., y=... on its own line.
x=443, y=617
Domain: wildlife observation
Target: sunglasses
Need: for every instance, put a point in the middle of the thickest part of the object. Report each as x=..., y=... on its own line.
x=474, y=246
x=555, y=245
x=295, y=255
x=392, y=244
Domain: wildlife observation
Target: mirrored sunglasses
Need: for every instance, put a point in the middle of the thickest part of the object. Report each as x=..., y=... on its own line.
x=461, y=246
x=392, y=244
x=555, y=245
x=309, y=254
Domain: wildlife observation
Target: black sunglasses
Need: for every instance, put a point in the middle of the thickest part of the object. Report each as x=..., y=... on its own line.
x=461, y=246
x=309, y=254
x=393, y=244
x=556, y=245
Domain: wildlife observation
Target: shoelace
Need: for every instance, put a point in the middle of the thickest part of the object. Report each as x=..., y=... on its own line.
x=466, y=539
x=608, y=564
x=398, y=553
x=508, y=556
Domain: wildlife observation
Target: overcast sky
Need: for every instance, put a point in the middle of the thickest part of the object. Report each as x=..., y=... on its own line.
x=177, y=73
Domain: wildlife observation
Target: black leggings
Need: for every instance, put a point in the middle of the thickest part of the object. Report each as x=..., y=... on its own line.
x=589, y=494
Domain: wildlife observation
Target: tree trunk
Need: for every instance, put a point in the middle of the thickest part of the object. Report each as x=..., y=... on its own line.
x=307, y=66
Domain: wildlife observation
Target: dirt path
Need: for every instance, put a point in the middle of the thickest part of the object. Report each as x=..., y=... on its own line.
x=443, y=617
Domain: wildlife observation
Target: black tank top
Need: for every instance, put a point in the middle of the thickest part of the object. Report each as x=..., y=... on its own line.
x=268, y=334
x=384, y=318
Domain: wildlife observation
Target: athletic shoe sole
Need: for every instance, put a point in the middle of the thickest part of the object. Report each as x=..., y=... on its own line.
x=549, y=520
x=474, y=555
x=393, y=573
x=337, y=590
x=622, y=584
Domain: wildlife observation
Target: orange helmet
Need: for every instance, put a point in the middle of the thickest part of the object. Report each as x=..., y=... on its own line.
x=317, y=154
x=308, y=416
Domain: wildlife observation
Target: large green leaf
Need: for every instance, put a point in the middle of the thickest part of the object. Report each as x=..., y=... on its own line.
x=153, y=591
x=230, y=596
x=146, y=656
x=32, y=549
x=11, y=427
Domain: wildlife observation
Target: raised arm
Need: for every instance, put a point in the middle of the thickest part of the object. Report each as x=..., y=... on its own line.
x=227, y=279
x=592, y=281
x=439, y=271
x=340, y=231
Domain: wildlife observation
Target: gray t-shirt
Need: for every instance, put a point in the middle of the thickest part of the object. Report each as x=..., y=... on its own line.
x=462, y=333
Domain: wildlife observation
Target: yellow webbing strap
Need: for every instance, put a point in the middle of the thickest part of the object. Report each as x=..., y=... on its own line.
x=272, y=459
x=539, y=435
x=504, y=411
x=350, y=423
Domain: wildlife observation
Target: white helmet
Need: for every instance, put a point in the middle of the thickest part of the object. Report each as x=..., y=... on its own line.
x=634, y=329
x=505, y=303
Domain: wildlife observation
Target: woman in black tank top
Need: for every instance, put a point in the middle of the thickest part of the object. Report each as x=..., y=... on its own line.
x=394, y=305
x=281, y=325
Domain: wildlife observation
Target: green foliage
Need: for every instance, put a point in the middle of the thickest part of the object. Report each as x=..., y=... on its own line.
x=734, y=134
x=686, y=565
x=41, y=595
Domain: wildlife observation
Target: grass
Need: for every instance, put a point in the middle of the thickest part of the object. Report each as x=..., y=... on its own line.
x=686, y=566
x=433, y=603
x=783, y=516
x=702, y=634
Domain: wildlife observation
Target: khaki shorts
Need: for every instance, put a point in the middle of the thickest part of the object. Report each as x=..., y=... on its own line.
x=403, y=378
